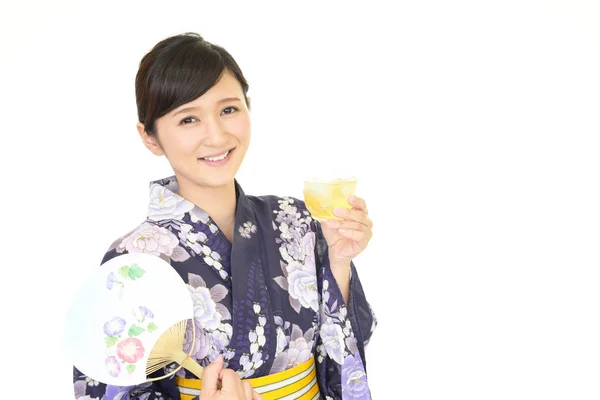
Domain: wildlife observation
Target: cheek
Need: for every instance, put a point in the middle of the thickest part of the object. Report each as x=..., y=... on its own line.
x=240, y=128
x=182, y=143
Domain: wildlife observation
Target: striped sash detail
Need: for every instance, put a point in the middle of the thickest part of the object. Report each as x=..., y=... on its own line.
x=298, y=383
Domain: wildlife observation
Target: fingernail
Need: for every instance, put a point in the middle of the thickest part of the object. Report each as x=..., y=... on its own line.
x=339, y=212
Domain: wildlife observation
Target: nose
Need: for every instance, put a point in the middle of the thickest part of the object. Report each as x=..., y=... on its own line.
x=216, y=134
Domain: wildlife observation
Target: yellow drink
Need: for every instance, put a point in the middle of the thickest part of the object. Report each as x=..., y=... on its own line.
x=322, y=196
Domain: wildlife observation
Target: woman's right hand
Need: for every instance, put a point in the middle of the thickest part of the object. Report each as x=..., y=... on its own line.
x=232, y=387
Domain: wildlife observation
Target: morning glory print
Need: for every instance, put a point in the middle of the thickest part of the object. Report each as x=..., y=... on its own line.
x=267, y=301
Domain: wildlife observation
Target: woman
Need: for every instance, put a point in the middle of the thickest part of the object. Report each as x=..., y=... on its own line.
x=275, y=290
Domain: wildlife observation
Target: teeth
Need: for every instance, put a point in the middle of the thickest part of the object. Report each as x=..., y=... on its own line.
x=218, y=158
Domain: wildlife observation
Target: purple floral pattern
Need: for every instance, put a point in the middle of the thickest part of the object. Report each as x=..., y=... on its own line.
x=124, y=349
x=122, y=343
x=297, y=245
x=354, y=379
x=247, y=230
x=114, y=327
x=294, y=348
x=212, y=332
x=113, y=366
x=267, y=301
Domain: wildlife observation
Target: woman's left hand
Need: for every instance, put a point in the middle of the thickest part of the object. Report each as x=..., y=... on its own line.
x=349, y=237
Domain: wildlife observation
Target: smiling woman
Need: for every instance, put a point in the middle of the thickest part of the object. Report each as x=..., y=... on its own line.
x=205, y=141
x=279, y=305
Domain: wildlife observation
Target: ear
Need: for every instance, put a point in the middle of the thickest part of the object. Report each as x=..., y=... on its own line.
x=249, y=102
x=150, y=141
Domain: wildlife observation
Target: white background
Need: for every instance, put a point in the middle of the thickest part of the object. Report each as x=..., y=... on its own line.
x=472, y=125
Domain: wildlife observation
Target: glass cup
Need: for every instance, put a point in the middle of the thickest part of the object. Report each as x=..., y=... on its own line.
x=321, y=196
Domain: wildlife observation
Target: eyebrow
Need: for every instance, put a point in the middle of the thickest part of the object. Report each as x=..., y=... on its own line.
x=225, y=100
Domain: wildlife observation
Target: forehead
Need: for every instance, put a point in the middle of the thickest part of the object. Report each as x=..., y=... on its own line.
x=226, y=86
x=227, y=90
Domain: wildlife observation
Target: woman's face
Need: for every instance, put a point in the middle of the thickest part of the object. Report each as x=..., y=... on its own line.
x=206, y=139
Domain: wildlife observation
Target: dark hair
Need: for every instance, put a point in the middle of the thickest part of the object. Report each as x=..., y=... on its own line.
x=178, y=70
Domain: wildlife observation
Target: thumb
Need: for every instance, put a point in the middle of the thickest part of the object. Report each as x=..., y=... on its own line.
x=210, y=376
x=256, y=396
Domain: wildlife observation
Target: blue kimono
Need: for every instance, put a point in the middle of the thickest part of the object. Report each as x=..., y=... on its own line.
x=267, y=302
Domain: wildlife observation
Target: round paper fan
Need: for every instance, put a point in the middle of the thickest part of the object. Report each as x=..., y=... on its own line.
x=128, y=319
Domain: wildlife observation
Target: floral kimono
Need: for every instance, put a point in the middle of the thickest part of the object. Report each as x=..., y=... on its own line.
x=267, y=302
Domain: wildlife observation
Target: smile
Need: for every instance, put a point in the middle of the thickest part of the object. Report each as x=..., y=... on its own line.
x=217, y=159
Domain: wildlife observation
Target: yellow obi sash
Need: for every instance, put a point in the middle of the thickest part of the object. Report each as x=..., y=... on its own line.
x=297, y=383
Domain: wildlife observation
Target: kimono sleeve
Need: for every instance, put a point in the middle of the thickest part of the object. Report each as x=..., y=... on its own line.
x=344, y=331
x=86, y=388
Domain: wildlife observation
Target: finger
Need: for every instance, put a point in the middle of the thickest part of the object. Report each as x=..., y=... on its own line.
x=358, y=203
x=347, y=224
x=247, y=390
x=354, y=215
x=210, y=376
x=230, y=381
x=256, y=396
x=354, y=235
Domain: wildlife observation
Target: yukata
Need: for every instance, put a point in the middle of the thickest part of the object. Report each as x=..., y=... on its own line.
x=267, y=301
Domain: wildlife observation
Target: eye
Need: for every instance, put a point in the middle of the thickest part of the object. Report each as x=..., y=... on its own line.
x=229, y=110
x=187, y=120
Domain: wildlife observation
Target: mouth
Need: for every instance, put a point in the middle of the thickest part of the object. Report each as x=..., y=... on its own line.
x=217, y=159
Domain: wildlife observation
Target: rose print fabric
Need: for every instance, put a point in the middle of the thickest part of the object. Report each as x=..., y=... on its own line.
x=267, y=301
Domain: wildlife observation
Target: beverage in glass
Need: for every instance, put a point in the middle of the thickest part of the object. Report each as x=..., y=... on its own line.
x=323, y=195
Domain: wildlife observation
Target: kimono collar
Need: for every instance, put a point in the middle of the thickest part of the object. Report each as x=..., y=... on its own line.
x=166, y=204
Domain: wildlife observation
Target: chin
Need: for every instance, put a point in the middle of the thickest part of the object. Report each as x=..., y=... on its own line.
x=216, y=184
x=215, y=181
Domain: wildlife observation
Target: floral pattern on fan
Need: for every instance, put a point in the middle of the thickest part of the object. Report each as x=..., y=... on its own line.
x=124, y=273
x=125, y=348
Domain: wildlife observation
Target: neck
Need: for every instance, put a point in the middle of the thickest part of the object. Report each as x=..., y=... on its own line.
x=219, y=202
